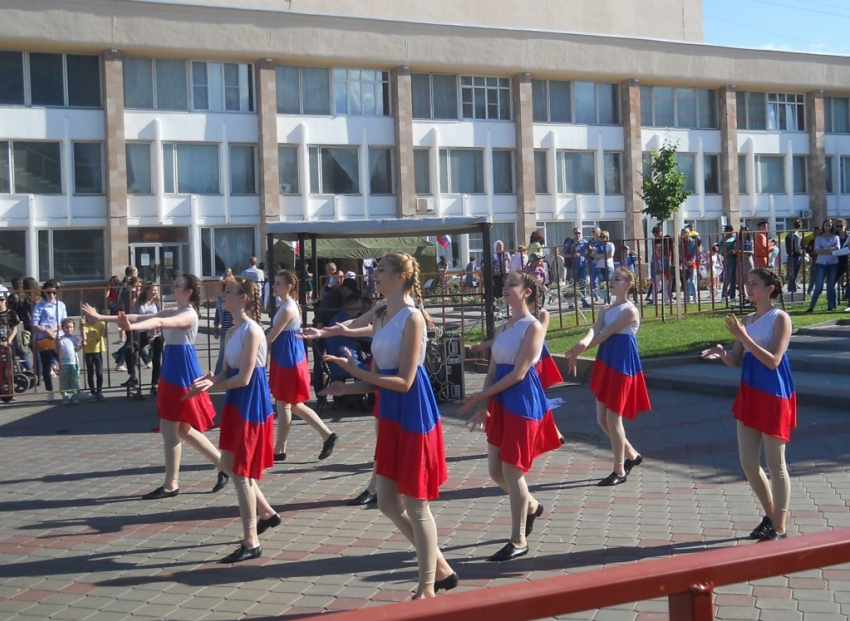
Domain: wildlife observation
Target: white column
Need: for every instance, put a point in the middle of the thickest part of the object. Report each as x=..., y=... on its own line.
x=699, y=171
x=600, y=176
x=304, y=171
x=365, y=190
x=159, y=171
x=69, y=168
x=488, y=175
x=224, y=168
x=552, y=165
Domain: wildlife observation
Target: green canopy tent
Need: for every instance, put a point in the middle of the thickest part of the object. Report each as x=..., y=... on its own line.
x=356, y=248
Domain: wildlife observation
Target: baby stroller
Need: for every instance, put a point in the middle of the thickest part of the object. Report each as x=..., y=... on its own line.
x=21, y=379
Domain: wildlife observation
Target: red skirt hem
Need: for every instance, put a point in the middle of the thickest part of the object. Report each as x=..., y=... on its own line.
x=252, y=445
x=290, y=385
x=416, y=462
x=520, y=440
x=197, y=411
x=623, y=394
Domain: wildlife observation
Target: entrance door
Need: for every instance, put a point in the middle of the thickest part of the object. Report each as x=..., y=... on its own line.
x=147, y=262
x=170, y=268
x=159, y=263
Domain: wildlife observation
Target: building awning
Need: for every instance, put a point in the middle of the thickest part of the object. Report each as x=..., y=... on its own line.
x=389, y=227
x=363, y=247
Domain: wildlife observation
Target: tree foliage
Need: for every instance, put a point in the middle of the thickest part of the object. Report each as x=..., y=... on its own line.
x=664, y=189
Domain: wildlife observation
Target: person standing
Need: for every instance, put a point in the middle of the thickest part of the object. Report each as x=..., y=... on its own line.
x=827, y=266
x=766, y=405
x=762, y=247
x=67, y=350
x=94, y=344
x=222, y=321
x=500, y=262
x=253, y=272
x=729, y=246
x=410, y=459
x=47, y=317
x=617, y=380
x=181, y=419
x=290, y=374
x=843, y=244
x=247, y=422
x=793, y=255
x=149, y=304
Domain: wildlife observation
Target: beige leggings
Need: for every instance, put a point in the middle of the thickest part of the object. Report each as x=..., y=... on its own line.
x=413, y=518
x=512, y=480
x=252, y=502
x=775, y=497
x=284, y=423
x=172, y=435
x=612, y=424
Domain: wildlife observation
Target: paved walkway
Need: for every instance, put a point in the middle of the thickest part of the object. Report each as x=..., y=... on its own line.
x=77, y=543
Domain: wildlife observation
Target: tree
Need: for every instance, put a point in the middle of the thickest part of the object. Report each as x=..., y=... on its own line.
x=664, y=189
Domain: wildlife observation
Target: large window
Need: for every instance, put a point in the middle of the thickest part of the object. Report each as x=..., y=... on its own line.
x=687, y=165
x=434, y=96
x=742, y=174
x=836, y=115
x=190, y=168
x=576, y=172
x=243, y=169
x=770, y=174
x=334, y=170
x=361, y=93
x=381, y=171
x=30, y=167
x=139, y=168
x=664, y=106
x=462, y=171
x=771, y=111
x=613, y=173
x=422, y=172
x=221, y=86
x=225, y=247
x=800, y=174
x=711, y=173
x=38, y=79
x=88, y=168
x=541, y=173
x=485, y=98
x=71, y=255
x=13, y=258
x=503, y=171
x=303, y=90
x=588, y=103
x=287, y=169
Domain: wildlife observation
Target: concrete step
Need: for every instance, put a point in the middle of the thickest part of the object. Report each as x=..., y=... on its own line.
x=833, y=330
x=820, y=361
x=820, y=342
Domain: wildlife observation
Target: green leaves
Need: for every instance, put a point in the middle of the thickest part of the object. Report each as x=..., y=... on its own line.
x=664, y=189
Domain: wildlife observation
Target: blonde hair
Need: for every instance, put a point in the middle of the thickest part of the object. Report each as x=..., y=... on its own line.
x=529, y=281
x=406, y=265
x=250, y=289
x=290, y=279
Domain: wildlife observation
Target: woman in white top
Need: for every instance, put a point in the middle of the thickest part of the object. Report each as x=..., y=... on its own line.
x=826, y=266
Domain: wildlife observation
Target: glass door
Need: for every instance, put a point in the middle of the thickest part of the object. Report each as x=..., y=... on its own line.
x=170, y=264
x=146, y=260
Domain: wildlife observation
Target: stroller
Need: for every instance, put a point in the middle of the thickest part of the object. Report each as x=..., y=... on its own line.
x=21, y=379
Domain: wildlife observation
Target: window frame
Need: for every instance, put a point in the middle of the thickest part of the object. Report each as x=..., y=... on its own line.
x=190, y=76
x=512, y=167
x=151, y=167
x=297, y=185
x=383, y=101
x=425, y=154
x=758, y=176
x=560, y=172
x=176, y=169
x=830, y=112
x=10, y=154
x=51, y=252
x=26, y=82
x=744, y=111
x=255, y=167
x=498, y=88
x=210, y=230
x=618, y=157
x=447, y=179
x=676, y=121
x=572, y=102
x=805, y=170
x=391, y=160
x=102, y=149
x=320, y=171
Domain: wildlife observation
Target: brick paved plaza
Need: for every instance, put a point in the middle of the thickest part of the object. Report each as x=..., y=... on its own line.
x=77, y=543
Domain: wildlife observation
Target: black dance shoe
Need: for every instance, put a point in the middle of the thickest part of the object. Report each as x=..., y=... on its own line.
x=509, y=552
x=328, y=446
x=631, y=463
x=280, y=456
x=160, y=493
x=243, y=553
x=529, y=519
x=264, y=524
x=447, y=583
x=772, y=535
x=365, y=498
x=613, y=479
x=221, y=482
x=761, y=531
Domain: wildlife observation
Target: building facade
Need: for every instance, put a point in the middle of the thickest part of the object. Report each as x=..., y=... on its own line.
x=167, y=134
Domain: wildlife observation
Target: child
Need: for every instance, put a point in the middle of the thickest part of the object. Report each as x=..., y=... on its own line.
x=660, y=273
x=94, y=334
x=67, y=346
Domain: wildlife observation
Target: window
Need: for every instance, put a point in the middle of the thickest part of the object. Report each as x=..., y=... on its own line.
x=221, y=86
x=190, y=168
x=830, y=182
x=303, y=91
x=334, y=170
x=45, y=81
x=422, y=171
x=664, y=106
x=12, y=78
x=462, y=171
x=361, y=92
x=836, y=114
x=576, y=172
x=155, y=84
x=752, y=110
x=845, y=175
x=485, y=98
x=84, y=81
x=243, y=169
x=541, y=173
x=770, y=172
x=287, y=169
x=552, y=101
x=139, y=168
x=503, y=171
x=225, y=247
x=30, y=167
x=13, y=259
x=506, y=232
x=434, y=96
x=556, y=233
x=71, y=255
x=613, y=173
x=138, y=83
x=800, y=174
x=170, y=81
x=711, y=174
x=687, y=166
x=381, y=171
x=88, y=168
x=595, y=103
x=786, y=112
x=645, y=167
x=742, y=174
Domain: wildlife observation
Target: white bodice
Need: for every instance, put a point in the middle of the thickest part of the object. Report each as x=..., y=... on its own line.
x=295, y=322
x=182, y=336
x=613, y=313
x=761, y=330
x=386, y=344
x=509, y=340
x=233, y=347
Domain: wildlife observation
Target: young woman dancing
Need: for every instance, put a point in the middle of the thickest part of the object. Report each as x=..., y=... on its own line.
x=181, y=419
x=766, y=405
x=290, y=374
x=513, y=409
x=410, y=459
x=617, y=379
x=247, y=424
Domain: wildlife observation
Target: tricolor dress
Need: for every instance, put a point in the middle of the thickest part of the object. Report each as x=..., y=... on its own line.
x=179, y=370
x=520, y=421
x=617, y=379
x=410, y=437
x=290, y=373
x=247, y=425
x=547, y=370
x=766, y=399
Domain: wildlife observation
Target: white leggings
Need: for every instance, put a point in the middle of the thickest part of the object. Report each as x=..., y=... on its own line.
x=252, y=502
x=512, y=480
x=172, y=435
x=775, y=497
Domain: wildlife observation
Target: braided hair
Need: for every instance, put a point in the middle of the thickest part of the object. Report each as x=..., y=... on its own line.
x=770, y=277
x=253, y=307
x=290, y=279
x=406, y=265
x=193, y=284
x=535, y=299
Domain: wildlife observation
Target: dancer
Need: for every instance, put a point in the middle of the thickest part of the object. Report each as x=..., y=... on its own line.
x=247, y=424
x=517, y=420
x=617, y=379
x=181, y=419
x=411, y=463
x=290, y=374
x=766, y=405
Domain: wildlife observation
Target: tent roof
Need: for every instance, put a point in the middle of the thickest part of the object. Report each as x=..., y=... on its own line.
x=366, y=248
x=389, y=227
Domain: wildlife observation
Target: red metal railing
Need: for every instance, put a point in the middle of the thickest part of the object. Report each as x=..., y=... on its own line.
x=687, y=581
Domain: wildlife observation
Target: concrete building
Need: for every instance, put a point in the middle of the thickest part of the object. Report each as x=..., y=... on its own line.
x=168, y=133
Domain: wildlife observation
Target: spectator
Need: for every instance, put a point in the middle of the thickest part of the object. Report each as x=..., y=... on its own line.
x=443, y=273
x=629, y=259
x=228, y=274
x=730, y=262
x=843, y=243
x=689, y=262
x=773, y=255
x=746, y=259
x=762, y=248
x=567, y=251
x=535, y=244
x=659, y=270
x=9, y=323
x=557, y=267
x=519, y=260
x=253, y=272
x=581, y=256
x=604, y=263
x=470, y=281
x=94, y=344
x=500, y=261
x=335, y=277
x=47, y=317
x=536, y=269
x=793, y=255
x=113, y=288
x=812, y=257
x=827, y=266
x=67, y=346
x=222, y=322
